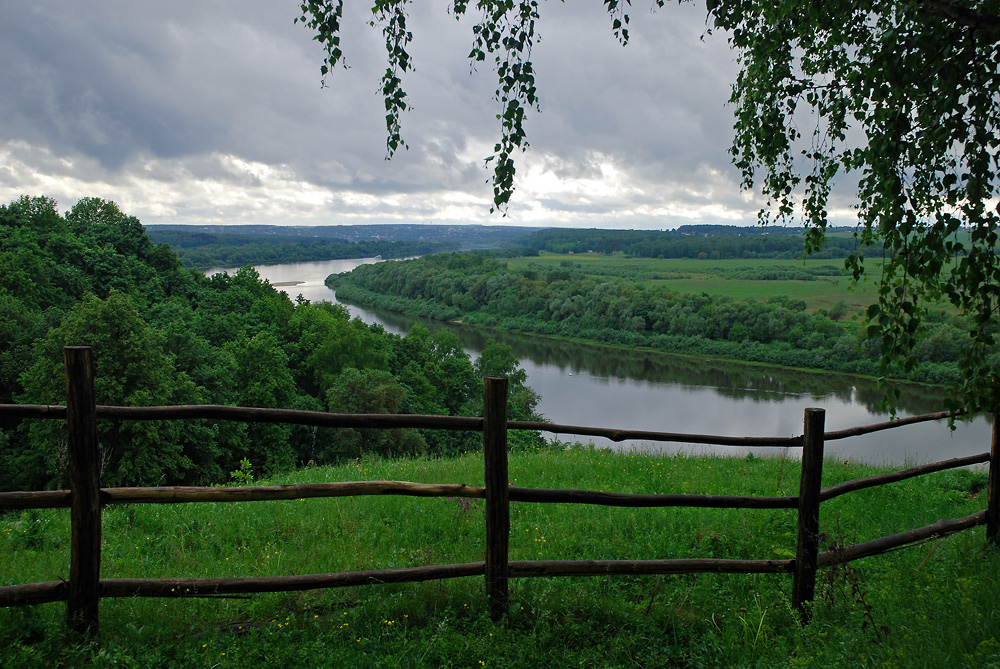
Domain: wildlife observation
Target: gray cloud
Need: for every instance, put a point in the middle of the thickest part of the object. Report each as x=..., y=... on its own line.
x=202, y=110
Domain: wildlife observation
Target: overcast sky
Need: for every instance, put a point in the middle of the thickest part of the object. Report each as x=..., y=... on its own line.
x=211, y=111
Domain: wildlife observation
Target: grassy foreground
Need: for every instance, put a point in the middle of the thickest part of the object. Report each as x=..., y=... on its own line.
x=934, y=605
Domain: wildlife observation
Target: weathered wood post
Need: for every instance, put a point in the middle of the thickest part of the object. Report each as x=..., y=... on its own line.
x=497, y=493
x=993, y=486
x=84, y=594
x=807, y=541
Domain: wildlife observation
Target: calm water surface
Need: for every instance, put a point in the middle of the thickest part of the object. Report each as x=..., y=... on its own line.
x=595, y=386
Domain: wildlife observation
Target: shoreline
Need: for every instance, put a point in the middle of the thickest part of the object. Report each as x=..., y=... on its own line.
x=650, y=350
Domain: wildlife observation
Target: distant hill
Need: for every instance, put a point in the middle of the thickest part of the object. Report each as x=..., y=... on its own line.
x=465, y=236
x=203, y=246
x=689, y=241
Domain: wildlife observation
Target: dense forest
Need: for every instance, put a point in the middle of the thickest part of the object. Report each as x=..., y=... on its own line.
x=203, y=250
x=469, y=236
x=715, y=242
x=203, y=247
x=166, y=335
x=568, y=302
x=207, y=246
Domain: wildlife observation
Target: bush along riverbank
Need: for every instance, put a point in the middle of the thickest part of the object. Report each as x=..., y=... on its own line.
x=482, y=290
x=929, y=605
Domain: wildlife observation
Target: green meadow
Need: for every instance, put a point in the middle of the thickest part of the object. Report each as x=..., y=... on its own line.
x=932, y=605
x=825, y=286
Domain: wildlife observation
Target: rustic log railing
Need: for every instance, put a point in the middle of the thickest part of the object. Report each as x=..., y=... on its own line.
x=85, y=588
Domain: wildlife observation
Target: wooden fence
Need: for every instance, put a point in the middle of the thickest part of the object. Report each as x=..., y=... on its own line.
x=85, y=588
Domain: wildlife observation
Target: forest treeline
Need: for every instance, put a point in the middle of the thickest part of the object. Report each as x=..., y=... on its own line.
x=165, y=335
x=715, y=242
x=566, y=301
x=204, y=250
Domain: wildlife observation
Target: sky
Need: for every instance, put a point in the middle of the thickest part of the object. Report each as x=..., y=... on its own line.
x=211, y=112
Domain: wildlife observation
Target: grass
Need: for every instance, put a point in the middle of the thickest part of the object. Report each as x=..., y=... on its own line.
x=930, y=605
x=687, y=275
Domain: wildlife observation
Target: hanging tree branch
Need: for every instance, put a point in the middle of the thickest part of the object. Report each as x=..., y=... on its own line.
x=904, y=93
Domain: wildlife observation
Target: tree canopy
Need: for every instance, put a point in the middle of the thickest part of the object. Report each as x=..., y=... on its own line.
x=897, y=99
x=166, y=335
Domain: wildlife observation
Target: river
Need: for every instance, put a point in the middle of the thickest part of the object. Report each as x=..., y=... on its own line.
x=595, y=386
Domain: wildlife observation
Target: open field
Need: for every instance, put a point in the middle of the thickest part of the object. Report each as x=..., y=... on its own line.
x=724, y=277
x=931, y=605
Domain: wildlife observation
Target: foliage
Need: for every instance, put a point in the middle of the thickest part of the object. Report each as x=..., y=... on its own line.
x=904, y=95
x=572, y=301
x=131, y=369
x=901, y=94
x=498, y=360
x=505, y=34
x=371, y=391
x=704, y=242
x=165, y=335
x=244, y=475
x=202, y=250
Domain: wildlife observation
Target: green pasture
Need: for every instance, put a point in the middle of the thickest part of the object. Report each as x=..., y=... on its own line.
x=932, y=605
x=691, y=275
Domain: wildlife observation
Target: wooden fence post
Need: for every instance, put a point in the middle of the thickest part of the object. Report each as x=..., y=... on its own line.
x=84, y=594
x=497, y=494
x=993, y=486
x=807, y=541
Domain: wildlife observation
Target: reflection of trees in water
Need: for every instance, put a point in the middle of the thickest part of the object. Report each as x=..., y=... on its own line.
x=729, y=379
x=391, y=320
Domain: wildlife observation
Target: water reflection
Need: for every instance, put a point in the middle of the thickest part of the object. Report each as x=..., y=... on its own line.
x=582, y=384
x=756, y=383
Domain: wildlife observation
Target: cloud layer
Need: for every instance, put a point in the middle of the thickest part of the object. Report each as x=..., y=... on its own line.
x=201, y=111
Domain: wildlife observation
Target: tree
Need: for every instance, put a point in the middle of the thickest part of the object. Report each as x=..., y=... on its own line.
x=131, y=369
x=369, y=391
x=326, y=341
x=902, y=94
x=263, y=379
x=905, y=95
x=498, y=359
x=163, y=335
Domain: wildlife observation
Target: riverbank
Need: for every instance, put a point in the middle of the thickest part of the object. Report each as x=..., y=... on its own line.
x=583, y=383
x=928, y=393
x=841, y=356
x=929, y=605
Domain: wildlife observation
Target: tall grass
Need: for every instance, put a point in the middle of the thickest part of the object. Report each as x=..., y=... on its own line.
x=937, y=604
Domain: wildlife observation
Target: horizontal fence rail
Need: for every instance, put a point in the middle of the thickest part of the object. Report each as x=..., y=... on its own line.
x=601, y=498
x=456, y=423
x=648, y=567
x=942, y=528
x=891, y=424
x=55, y=499
x=84, y=588
x=622, y=435
x=901, y=475
x=176, y=495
